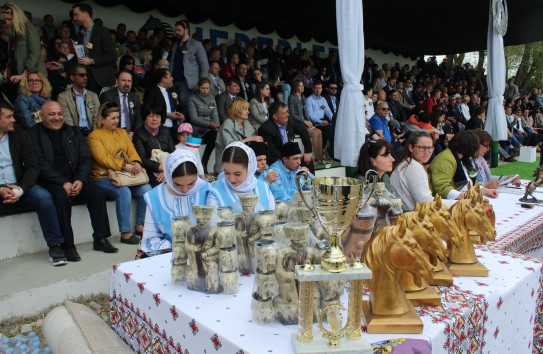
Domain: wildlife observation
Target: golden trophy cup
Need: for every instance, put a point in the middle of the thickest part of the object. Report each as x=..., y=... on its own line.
x=336, y=201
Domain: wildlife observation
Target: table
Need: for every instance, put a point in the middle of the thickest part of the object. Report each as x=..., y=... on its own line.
x=497, y=314
x=519, y=230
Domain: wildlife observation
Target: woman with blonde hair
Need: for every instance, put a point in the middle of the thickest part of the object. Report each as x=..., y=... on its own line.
x=235, y=128
x=107, y=144
x=35, y=91
x=25, y=47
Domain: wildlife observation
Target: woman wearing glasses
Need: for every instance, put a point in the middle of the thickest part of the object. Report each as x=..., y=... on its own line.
x=409, y=179
x=235, y=128
x=452, y=169
x=483, y=172
x=35, y=91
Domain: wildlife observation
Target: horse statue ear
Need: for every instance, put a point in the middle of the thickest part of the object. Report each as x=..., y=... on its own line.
x=438, y=201
x=477, y=186
x=421, y=214
x=402, y=228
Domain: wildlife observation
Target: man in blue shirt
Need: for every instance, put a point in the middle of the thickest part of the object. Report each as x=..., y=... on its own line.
x=379, y=122
x=319, y=112
x=284, y=187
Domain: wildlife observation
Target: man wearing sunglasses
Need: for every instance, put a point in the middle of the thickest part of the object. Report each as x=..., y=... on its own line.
x=79, y=105
x=379, y=122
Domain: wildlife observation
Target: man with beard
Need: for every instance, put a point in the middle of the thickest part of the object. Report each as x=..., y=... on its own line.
x=188, y=62
x=128, y=101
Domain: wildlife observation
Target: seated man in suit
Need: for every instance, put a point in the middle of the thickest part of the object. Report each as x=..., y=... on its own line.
x=279, y=130
x=65, y=164
x=19, y=171
x=225, y=98
x=128, y=102
x=79, y=105
x=284, y=187
x=162, y=96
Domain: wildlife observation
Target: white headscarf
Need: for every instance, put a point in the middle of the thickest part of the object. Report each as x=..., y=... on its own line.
x=250, y=183
x=175, y=159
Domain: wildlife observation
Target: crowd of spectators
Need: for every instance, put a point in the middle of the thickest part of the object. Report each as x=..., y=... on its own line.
x=147, y=91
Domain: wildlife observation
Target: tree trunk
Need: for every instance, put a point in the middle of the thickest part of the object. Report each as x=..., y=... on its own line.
x=459, y=59
x=480, y=64
x=523, y=68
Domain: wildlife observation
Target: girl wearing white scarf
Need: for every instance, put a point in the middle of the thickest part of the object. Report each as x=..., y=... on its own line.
x=236, y=164
x=175, y=197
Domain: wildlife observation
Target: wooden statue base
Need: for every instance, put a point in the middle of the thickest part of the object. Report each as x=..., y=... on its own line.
x=468, y=270
x=425, y=297
x=409, y=322
x=442, y=278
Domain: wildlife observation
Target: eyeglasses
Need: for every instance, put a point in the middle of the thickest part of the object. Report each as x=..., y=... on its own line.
x=424, y=148
x=130, y=63
x=486, y=146
x=81, y=74
x=384, y=109
x=34, y=81
x=333, y=88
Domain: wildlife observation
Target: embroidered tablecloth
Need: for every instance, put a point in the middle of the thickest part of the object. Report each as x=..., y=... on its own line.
x=519, y=230
x=496, y=314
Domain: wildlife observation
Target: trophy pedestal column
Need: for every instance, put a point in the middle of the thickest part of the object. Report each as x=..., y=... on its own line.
x=304, y=342
x=468, y=270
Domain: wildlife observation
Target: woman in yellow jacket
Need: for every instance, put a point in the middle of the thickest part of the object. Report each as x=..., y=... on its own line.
x=106, y=143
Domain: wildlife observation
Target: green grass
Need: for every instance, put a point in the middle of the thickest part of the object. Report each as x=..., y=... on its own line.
x=524, y=169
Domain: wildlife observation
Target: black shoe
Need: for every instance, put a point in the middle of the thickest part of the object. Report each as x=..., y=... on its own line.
x=71, y=254
x=510, y=159
x=137, y=233
x=132, y=240
x=56, y=256
x=104, y=245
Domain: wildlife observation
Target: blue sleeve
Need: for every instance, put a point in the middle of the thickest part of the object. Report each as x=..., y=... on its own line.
x=22, y=111
x=374, y=124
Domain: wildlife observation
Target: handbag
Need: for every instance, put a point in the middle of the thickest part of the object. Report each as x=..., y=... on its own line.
x=127, y=179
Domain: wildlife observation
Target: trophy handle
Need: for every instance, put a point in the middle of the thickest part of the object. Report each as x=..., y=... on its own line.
x=373, y=175
x=299, y=176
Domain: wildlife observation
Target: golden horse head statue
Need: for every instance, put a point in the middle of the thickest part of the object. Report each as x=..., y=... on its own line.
x=391, y=249
x=440, y=217
x=469, y=216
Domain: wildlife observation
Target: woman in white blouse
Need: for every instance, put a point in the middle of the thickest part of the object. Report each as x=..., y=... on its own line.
x=409, y=179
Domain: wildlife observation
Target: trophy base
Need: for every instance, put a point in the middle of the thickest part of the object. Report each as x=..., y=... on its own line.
x=468, y=270
x=409, y=322
x=333, y=260
x=319, y=345
x=425, y=297
x=442, y=278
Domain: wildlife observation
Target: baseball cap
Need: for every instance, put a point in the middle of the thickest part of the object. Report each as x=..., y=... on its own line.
x=184, y=128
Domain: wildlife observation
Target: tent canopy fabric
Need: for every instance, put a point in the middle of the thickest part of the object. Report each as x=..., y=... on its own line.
x=409, y=28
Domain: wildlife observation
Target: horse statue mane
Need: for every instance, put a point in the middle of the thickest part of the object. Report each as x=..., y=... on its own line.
x=440, y=217
x=469, y=216
x=154, y=24
x=391, y=249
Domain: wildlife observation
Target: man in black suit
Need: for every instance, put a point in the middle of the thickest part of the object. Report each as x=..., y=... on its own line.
x=279, y=129
x=65, y=164
x=128, y=101
x=332, y=99
x=99, y=49
x=224, y=99
x=162, y=96
x=369, y=74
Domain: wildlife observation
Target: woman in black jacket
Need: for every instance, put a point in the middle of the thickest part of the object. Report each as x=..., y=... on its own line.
x=153, y=136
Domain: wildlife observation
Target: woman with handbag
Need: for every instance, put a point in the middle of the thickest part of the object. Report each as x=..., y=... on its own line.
x=151, y=137
x=182, y=189
x=117, y=169
x=34, y=90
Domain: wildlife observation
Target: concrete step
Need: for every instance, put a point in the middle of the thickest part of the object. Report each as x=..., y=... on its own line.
x=30, y=283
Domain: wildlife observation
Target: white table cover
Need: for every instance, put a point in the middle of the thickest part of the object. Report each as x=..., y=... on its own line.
x=496, y=314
